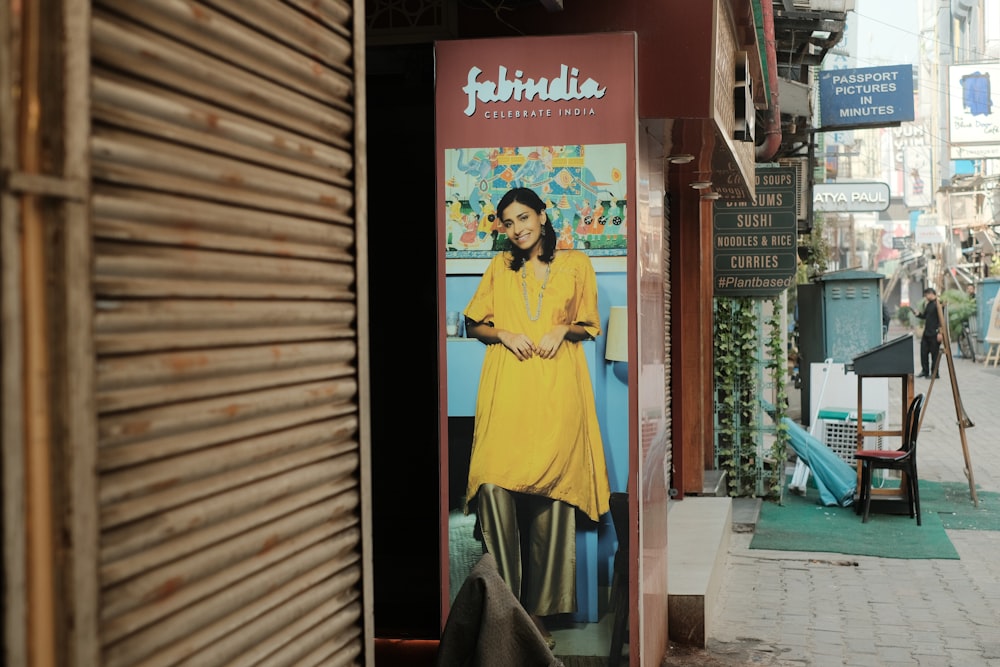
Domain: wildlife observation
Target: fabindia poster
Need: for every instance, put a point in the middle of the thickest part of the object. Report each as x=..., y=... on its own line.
x=554, y=114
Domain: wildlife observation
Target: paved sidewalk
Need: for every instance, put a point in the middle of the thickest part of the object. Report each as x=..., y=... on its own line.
x=830, y=610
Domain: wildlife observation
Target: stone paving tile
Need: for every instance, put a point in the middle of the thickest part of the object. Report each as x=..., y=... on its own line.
x=895, y=653
x=936, y=661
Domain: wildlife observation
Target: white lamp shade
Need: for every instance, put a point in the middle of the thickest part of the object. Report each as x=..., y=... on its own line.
x=617, y=343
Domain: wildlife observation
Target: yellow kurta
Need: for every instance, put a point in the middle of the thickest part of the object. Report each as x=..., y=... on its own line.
x=536, y=427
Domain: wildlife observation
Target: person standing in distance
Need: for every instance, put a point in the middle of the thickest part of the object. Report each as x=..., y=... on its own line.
x=537, y=454
x=930, y=341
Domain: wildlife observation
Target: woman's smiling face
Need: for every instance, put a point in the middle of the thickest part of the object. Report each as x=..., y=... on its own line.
x=522, y=225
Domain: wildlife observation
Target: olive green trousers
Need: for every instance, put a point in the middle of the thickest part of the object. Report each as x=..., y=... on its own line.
x=533, y=539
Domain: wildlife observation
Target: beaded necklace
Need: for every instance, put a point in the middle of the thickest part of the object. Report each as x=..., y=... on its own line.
x=541, y=292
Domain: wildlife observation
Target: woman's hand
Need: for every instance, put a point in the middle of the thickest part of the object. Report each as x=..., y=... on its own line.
x=551, y=341
x=519, y=344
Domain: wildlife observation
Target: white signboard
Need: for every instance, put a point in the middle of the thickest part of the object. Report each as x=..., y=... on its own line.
x=993, y=332
x=974, y=103
x=930, y=234
x=851, y=196
x=917, y=189
x=973, y=151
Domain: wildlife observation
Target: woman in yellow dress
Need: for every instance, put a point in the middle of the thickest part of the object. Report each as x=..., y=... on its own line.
x=537, y=455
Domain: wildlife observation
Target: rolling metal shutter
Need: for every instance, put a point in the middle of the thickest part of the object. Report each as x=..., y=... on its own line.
x=225, y=327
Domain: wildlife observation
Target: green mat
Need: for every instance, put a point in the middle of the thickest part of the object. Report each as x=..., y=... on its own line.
x=952, y=502
x=802, y=524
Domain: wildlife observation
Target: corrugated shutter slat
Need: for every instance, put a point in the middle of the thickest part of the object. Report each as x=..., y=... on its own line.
x=162, y=474
x=224, y=563
x=323, y=36
x=196, y=540
x=232, y=42
x=163, y=115
x=215, y=577
x=155, y=214
x=144, y=53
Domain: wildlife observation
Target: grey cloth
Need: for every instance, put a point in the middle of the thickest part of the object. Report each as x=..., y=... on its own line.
x=488, y=627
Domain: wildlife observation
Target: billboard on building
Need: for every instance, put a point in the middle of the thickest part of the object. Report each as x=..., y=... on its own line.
x=929, y=230
x=865, y=97
x=917, y=190
x=554, y=114
x=893, y=166
x=974, y=110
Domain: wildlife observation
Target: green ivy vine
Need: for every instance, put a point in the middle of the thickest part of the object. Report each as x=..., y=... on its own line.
x=777, y=364
x=738, y=398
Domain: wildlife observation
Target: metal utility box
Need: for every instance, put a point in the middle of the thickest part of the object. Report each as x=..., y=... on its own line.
x=840, y=315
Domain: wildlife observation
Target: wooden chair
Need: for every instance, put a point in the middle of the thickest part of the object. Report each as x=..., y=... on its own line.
x=903, y=459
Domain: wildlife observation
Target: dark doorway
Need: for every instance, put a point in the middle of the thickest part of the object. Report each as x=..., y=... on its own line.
x=403, y=336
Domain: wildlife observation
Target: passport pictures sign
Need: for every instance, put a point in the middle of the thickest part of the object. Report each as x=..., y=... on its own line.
x=866, y=97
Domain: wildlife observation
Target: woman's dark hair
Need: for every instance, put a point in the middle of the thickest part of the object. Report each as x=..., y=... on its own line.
x=528, y=197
